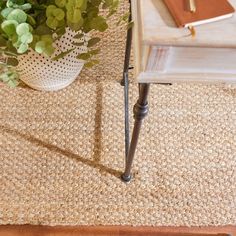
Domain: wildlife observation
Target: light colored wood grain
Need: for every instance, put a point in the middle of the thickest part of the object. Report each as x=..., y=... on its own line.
x=193, y=59
x=190, y=64
x=29, y=230
x=137, y=45
x=158, y=27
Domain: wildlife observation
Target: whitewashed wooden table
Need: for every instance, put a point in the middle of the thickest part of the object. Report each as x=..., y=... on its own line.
x=166, y=54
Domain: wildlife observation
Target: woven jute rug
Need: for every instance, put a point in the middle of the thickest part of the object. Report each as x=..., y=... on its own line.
x=62, y=152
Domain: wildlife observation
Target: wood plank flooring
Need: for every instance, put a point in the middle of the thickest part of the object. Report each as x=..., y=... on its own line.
x=28, y=230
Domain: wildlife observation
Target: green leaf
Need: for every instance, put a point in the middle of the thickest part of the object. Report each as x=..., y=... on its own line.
x=10, y=53
x=23, y=48
x=45, y=46
x=74, y=15
x=76, y=26
x=40, y=47
x=47, y=39
x=17, y=15
x=91, y=63
x=49, y=50
x=75, y=3
x=31, y=20
x=22, y=28
x=12, y=83
x=26, y=38
x=24, y=7
x=11, y=49
x=42, y=30
x=50, y=9
x=10, y=76
x=98, y=23
x=12, y=61
x=52, y=22
x=95, y=51
x=78, y=44
x=5, y=12
x=60, y=31
x=4, y=77
x=60, y=3
x=93, y=41
x=59, y=14
x=83, y=56
x=9, y=27
x=79, y=36
x=63, y=54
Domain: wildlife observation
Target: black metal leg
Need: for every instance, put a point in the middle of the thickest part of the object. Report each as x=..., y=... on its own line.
x=125, y=83
x=140, y=112
x=127, y=51
x=126, y=97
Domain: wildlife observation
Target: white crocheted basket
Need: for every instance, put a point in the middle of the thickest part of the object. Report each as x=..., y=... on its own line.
x=41, y=73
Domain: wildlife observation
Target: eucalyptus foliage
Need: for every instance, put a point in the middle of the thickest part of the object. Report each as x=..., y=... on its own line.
x=36, y=24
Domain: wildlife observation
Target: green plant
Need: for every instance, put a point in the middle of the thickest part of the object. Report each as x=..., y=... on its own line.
x=36, y=24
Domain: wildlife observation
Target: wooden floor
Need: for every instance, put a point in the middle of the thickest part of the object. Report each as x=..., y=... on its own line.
x=28, y=230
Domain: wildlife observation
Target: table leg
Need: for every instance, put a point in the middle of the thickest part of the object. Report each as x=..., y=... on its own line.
x=127, y=49
x=125, y=82
x=140, y=112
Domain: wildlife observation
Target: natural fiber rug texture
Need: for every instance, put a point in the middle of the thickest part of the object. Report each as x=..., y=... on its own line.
x=62, y=152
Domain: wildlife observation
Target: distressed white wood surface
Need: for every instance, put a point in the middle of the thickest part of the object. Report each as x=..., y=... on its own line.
x=154, y=26
x=211, y=78
x=158, y=27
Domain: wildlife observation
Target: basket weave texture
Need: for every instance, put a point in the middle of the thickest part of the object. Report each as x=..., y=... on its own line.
x=62, y=152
